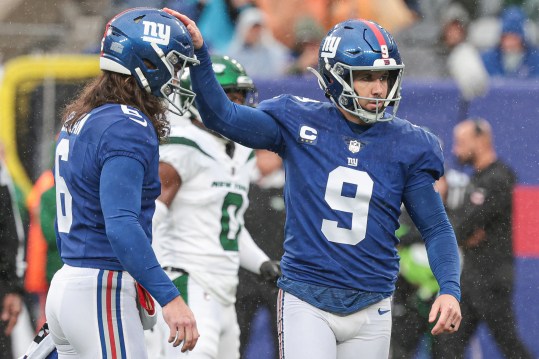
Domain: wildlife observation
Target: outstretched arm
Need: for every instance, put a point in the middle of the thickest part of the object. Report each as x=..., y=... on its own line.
x=243, y=124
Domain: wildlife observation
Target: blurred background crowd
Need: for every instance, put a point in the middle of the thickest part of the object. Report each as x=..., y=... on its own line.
x=433, y=35
x=473, y=43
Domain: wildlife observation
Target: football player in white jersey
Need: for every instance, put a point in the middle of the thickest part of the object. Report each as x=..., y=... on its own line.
x=198, y=225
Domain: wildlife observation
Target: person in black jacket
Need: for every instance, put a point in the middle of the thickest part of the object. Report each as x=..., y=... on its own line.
x=483, y=229
x=10, y=283
x=264, y=219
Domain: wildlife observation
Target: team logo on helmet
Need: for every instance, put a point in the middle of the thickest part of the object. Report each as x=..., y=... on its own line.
x=219, y=68
x=156, y=32
x=331, y=44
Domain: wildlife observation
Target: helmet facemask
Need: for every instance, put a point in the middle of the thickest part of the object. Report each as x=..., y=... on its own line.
x=349, y=99
x=178, y=97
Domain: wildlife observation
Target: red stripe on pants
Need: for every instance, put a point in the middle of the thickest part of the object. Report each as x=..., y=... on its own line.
x=109, y=314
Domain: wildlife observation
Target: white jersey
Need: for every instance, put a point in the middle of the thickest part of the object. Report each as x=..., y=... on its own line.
x=206, y=216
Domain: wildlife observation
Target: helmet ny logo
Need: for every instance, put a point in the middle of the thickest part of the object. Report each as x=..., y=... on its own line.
x=156, y=32
x=329, y=49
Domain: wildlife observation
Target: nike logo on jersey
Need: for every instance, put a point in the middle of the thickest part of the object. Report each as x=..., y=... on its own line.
x=140, y=122
x=382, y=312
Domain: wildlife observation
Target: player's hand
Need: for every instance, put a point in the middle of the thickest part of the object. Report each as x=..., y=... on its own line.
x=270, y=271
x=191, y=26
x=11, y=308
x=449, y=316
x=182, y=324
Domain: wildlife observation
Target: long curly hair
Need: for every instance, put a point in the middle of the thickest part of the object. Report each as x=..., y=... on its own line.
x=111, y=87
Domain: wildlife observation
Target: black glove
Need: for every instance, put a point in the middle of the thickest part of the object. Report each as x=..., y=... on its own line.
x=270, y=271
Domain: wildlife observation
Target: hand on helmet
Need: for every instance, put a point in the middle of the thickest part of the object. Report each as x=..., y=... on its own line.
x=196, y=36
x=270, y=271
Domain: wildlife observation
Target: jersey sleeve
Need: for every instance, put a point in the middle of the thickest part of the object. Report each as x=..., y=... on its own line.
x=428, y=214
x=242, y=124
x=427, y=166
x=132, y=136
x=275, y=107
x=251, y=256
x=285, y=111
x=121, y=205
x=181, y=157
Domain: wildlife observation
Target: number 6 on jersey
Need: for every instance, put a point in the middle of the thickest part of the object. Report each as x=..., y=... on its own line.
x=64, y=213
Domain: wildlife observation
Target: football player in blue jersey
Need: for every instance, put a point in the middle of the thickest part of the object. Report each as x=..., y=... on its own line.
x=350, y=164
x=106, y=175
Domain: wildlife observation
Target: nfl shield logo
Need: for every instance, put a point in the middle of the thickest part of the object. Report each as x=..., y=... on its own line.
x=354, y=146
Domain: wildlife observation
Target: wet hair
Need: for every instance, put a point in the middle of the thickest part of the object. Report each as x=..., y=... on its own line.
x=115, y=88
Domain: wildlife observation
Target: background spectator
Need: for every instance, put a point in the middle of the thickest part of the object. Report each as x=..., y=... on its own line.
x=47, y=216
x=393, y=15
x=265, y=220
x=437, y=46
x=218, y=21
x=282, y=15
x=419, y=44
x=415, y=292
x=307, y=34
x=35, y=282
x=483, y=228
x=10, y=283
x=514, y=56
x=255, y=47
x=462, y=60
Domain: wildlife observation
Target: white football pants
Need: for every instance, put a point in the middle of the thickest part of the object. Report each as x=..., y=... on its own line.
x=308, y=332
x=92, y=314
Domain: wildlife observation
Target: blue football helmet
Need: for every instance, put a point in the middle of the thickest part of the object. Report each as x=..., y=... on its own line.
x=359, y=45
x=155, y=48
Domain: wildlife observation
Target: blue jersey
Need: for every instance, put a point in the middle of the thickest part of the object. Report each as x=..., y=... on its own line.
x=344, y=191
x=107, y=131
x=345, y=184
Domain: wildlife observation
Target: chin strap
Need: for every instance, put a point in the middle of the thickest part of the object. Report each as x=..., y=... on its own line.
x=324, y=88
x=143, y=80
x=393, y=91
x=321, y=83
